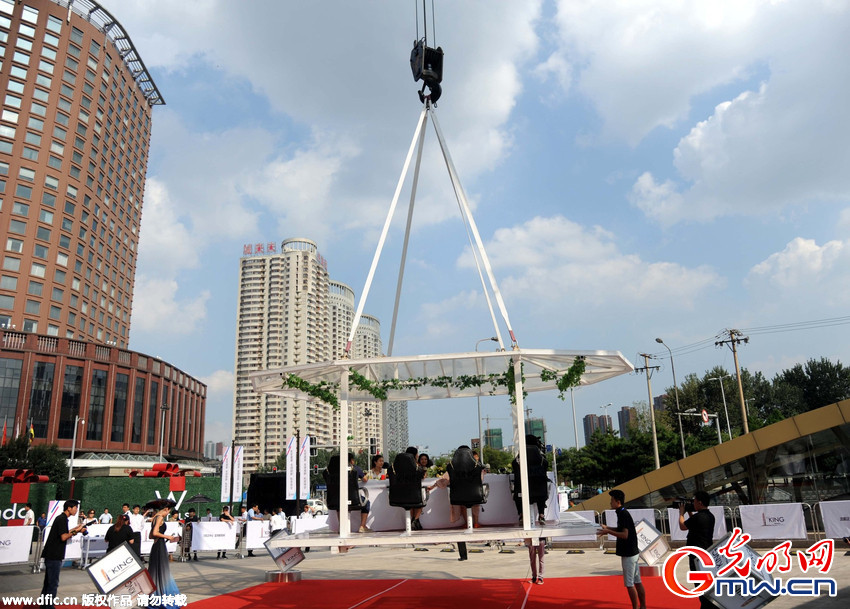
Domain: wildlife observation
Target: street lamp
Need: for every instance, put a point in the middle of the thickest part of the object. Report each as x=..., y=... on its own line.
x=478, y=397
x=165, y=408
x=77, y=421
x=723, y=395
x=676, y=389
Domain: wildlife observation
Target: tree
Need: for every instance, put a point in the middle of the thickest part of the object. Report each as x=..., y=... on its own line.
x=497, y=459
x=43, y=459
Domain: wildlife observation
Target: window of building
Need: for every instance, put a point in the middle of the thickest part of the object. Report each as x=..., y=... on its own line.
x=25, y=192
x=59, y=276
x=43, y=233
x=30, y=325
x=55, y=313
x=35, y=288
x=31, y=154
x=18, y=227
x=35, y=123
x=20, y=209
x=39, y=251
x=45, y=216
x=24, y=173
x=55, y=162
x=12, y=264
x=52, y=330
x=32, y=307
x=7, y=302
x=9, y=116
x=38, y=270
x=8, y=282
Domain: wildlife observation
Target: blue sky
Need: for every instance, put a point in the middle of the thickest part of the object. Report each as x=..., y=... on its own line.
x=637, y=169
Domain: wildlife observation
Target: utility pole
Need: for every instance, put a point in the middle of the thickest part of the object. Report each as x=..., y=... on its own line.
x=735, y=338
x=648, y=369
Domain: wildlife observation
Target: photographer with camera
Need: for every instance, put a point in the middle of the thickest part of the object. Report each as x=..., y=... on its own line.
x=700, y=528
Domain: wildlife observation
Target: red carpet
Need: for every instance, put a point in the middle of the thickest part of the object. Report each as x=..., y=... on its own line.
x=580, y=592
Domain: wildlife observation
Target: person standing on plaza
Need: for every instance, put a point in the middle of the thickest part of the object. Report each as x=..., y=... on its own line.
x=118, y=533
x=137, y=523
x=191, y=518
x=626, y=549
x=277, y=522
x=252, y=515
x=158, y=568
x=29, y=516
x=228, y=518
x=536, y=555
x=700, y=528
x=54, y=550
x=106, y=517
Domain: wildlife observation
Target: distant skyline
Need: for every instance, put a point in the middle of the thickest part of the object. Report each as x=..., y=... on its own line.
x=638, y=169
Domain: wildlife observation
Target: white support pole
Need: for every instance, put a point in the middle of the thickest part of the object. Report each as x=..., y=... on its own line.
x=407, y=234
x=523, y=457
x=461, y=196
x=419, y=127
x=344, y=526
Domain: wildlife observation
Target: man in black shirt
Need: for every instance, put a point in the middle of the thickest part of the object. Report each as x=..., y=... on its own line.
x=54, y=550
x=118, y=533
x=626, y=549
x=700, y=528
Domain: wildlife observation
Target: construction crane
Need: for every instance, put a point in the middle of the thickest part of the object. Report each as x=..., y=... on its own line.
x=426, y=62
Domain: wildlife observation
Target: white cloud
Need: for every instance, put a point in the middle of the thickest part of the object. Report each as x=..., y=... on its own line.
x=640, y=62
x=157, y=307
x=805, y=270
x=553, y=262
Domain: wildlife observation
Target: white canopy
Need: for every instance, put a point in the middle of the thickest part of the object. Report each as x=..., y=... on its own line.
x=450, y=375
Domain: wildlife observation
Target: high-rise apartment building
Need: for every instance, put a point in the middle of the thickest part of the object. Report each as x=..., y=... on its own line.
x=593, y=423
x=75, y=130
x=290, y=312
x=74, y=135
x=626, y=416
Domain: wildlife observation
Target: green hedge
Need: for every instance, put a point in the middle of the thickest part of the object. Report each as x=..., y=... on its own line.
x=111, y=492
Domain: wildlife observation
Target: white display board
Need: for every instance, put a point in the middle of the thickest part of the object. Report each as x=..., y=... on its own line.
x=15, y=544
x=215, y=536
x=257, y=533
x=836, y=518
x=773, y=521
x=719, y=523
x=303, y=525
x=647, y=514
x=120, y=565
x=171, y=528
x=651, y=543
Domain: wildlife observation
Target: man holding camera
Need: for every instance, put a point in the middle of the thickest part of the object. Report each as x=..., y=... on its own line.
x=54, y=549
x=700, y=528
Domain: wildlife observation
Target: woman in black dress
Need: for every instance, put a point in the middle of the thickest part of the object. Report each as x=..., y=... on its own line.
x=158, y=565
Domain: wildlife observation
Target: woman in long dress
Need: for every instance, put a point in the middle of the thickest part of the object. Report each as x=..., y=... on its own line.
x=158, y=564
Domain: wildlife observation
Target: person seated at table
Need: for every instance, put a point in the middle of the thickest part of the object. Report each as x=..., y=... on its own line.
x=538, y=489
x=406, y=469
x=377, y=471
x=461, y=466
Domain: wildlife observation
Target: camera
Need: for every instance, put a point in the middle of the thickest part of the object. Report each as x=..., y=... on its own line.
x=689, y=505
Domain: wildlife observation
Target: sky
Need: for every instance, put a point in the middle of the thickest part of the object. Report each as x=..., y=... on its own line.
x=636, y=168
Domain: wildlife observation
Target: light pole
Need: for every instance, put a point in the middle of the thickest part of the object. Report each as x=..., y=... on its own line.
x=478, y=397
x=723, y=395
x=676, y=389
x=575, y=425
x=165, y=409
x=77, y=421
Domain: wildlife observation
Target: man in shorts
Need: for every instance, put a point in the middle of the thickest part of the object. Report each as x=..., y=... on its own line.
x=627, y=549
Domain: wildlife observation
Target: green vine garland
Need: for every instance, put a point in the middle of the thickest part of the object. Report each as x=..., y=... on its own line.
x=328, y=392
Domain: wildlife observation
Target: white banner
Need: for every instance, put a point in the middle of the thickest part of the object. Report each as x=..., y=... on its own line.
x=773, y=521
x=15, y=544
x=208, y=536
x=236, y=462
x=637, y=514
x=303, y=525
x=836, y=518
x=650, y=541
x=94, y=543
x=120, y=565
x=171, y=528
x=719, y=523
x=304, y=464
x=257, y=532
x=291, y=468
